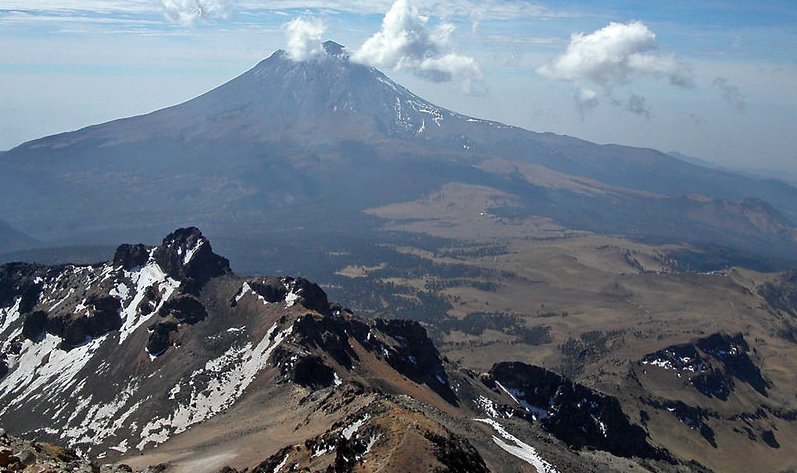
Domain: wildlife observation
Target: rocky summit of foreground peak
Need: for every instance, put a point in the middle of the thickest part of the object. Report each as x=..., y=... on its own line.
x=163, y=356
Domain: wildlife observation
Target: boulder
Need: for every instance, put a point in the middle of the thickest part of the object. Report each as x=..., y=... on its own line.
x=6, y=456
x=27, y=457
x=160, y=335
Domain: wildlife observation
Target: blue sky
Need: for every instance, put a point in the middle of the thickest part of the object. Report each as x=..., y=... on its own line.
x=719, y=81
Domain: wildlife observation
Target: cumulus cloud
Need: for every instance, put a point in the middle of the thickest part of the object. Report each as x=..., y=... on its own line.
x=730, y=93
x=304, y=38
x=187, y=12
x=613, y=57
x=406, y=41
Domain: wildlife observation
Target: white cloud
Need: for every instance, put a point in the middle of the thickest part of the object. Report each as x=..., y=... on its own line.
x=613, y=57
x=730, y=93
x=586, y=99
x=253, y=12
x=406, y=41
x=491, y=9
x=187, y=12
x=304, y=38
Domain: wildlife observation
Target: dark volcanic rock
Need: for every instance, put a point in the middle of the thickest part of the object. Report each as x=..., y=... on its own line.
x=404, y=345
x=576, y=414
x=276, y=289
x=713, y=383
x=130, y=256
x=311, y=295
x=349, y=452
x=185, y=308
x=180, y=309
x=18, y=280
x=711, y=364
x=769, y=438
x=692, y=417
x=103, y=314
x=187, y=256
x=33, y=325
x=457, y=454
x=311, y=372
x=679, y=357
x=149, y=302
x=732, y=352
x=272, y=289
x=331, y=334
x=271, y=463
x=160, y=335
x=417, y=357
x=100, y=316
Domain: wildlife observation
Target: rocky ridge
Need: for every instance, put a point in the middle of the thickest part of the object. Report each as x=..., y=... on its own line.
x=20, y=455
x=185, y=349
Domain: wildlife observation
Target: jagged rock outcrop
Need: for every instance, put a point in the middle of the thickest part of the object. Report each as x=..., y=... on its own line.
x=416, y=357
x=131, y=256
x=186, y=255
x=20, y=281
x=293, y=290
x=574, y=413
x=711, y=364
x=404, y=345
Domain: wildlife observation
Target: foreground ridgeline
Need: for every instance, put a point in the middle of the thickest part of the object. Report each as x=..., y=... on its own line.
x=163, y=356
x=18, y=454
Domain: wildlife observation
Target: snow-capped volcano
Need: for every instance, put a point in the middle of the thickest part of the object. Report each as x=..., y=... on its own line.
x=328, y=98
x=305, y=143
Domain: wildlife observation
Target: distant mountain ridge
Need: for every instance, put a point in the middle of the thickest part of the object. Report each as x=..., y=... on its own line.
x=12, y=239
x=313, y=144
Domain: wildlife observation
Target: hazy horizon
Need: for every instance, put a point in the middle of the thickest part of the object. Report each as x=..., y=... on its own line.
x=716, y=81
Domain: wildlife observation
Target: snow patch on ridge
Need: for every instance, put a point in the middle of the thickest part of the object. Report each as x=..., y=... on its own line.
x=354, y=427
x=42, y=365
x=104, y=420
x=9, y=315
x=151, y=275
x=487, y=406
x=518, y=448
x=189, y=254
x=227, y=377
x=247, y=289
x=538, y=413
